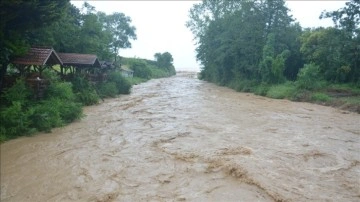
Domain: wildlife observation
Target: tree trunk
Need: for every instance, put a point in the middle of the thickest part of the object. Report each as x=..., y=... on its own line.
x=3, y=70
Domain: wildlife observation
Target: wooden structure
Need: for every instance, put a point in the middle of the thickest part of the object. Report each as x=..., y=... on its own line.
x=38, y=58
x=126, y=72
x=85, y=64
x=33, y=64
x=107, y=65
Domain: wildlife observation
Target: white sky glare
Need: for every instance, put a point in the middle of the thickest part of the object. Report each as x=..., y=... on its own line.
x=160, y=25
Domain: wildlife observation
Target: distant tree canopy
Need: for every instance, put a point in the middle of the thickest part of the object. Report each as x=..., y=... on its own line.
x=165, y=61
x=64, y=27
x=259, y=41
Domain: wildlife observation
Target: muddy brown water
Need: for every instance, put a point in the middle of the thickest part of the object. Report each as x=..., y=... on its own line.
x=181, y=139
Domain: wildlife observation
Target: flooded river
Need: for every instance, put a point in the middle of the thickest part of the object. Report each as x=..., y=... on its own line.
x=181, y=139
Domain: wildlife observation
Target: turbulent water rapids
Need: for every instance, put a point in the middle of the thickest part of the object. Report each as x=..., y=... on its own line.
x=182, y=139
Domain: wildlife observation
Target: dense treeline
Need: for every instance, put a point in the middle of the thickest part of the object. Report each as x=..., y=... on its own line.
x=251, y=45
x=61, y=25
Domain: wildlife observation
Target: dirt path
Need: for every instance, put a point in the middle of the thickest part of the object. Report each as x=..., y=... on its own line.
x=181, y=139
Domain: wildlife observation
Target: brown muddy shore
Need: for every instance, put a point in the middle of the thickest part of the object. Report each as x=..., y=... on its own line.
x=181, y=139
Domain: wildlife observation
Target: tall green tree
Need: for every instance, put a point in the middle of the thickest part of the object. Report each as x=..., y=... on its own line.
x=347, y=19
x=17, y=19
x=231, y=39
x=121, y=31
x=165, y=61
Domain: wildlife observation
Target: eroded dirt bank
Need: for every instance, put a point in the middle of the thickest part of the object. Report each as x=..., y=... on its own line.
x=181, y=139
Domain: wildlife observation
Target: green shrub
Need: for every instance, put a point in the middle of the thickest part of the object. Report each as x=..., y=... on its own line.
x=70, y=111
x=123, y=85
x=51, y=75
x=85, y=93
x=309, y=78
x=46, y=115
x=281, y=91
x=158, y=73
x=320, y=97
x=243, y=85
x=135, y=80
x=108, y=89
x=60, y=90
x=140, y=68
x=87, y=97
x=80, y=83
x=19, y=92
x=15, y=120
x=262, y=89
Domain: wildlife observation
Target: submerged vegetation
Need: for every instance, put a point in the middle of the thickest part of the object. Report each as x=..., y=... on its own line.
x=256, y=46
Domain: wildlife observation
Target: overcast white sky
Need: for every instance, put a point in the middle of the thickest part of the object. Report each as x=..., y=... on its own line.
x=160, y=25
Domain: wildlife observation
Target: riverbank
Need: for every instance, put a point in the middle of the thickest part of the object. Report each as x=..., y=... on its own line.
x=341, y=96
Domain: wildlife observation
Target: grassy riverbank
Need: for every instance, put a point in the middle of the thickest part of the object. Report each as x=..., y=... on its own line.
x=343, y=96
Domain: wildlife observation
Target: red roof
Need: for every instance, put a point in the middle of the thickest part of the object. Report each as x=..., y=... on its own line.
x=39, y=56
x=76, y=59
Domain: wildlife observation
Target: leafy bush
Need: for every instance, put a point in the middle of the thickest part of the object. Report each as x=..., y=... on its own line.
x=158, y=73
x=21, y=115
x=80, y=83
x=46, y=115
x=19, y=92
x=87, y=97
x=85, y=93
x=60, y=90
x=140, y=68
x=123, y=85
x=262, y=89
x=15, y=120
x=135, y=80
x=108, y=89
x=321, y=97
x=282, y=91
x=309, y=77
x=243, y=85
x=52, y=76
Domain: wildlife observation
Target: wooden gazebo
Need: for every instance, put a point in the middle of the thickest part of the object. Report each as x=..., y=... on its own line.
x=33, y=64
x=87, y=64
x=79, y=62
x=38, y=58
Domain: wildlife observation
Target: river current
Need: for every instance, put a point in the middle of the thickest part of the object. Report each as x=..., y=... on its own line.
x=182, y=139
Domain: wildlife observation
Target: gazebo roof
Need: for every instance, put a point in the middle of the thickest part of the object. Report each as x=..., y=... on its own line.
x=79, y=60
x=107, y=65
x=39, y=56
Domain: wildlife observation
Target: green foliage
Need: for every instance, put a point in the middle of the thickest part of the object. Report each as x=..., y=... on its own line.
x=135, y=80
x=19, y=92
x=262, y=89
x=243, y=85
x=15, y=120
x=46, y=115
x=140, y=68
x=22, y=115
x=118, y=25
x=85, y=93
x=251, y=40
x=309, y=77
x=61, y=90
x=108, y=89
x=87, y=97
x=165, y=62
x=320, y=97
x=123, y=86
x=281, y=91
